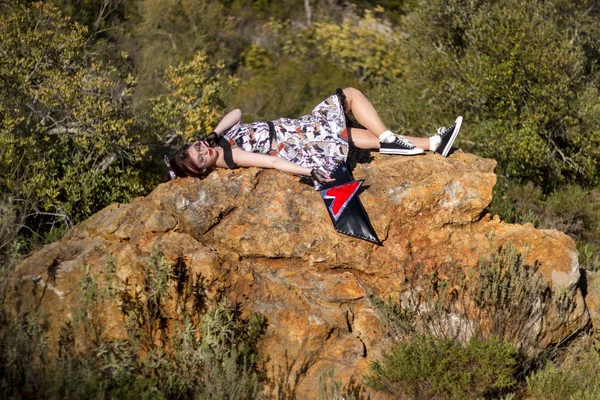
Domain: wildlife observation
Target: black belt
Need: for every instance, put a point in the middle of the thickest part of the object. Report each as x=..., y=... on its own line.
x=224, y=143
x=271, y=133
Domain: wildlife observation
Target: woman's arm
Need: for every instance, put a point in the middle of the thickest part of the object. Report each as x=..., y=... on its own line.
x=232, y=118
x=247, y=159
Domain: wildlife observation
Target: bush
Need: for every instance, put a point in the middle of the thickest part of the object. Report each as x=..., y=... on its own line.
x=530, y=98
x=503, y=298
x=304, y=83
x=194, y=102
x=570, y=209
x=573, y=380
x=462, y=336
x=428, y=367
x=208, y=351
x=67, y=147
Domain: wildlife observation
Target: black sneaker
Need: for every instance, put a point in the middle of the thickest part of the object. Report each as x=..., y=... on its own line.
x=448, y=135
x=401, y=146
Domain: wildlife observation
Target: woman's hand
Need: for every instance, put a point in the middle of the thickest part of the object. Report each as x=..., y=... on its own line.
x=210, y=140
x=320, y=177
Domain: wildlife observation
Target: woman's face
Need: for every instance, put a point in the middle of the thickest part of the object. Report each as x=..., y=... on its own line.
x=202, y=156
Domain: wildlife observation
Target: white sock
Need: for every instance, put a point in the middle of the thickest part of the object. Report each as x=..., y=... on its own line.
x=387, y=137
x=434, y=142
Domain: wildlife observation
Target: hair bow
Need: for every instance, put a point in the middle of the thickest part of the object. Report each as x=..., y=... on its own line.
x=171, y=173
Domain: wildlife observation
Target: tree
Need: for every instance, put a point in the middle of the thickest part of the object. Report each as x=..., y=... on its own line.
x=524, y=73
x=67, y=146
x=171, y=32
x=194, y=103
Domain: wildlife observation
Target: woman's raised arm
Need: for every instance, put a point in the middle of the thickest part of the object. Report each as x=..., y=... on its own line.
x=232, y=118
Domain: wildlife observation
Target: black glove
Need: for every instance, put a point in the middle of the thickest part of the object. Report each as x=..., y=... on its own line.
x=318, y=176
x=211, y=139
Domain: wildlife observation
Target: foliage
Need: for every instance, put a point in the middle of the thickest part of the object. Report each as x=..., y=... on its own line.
x=66, y=144
x=367, y=47
x=576, y=379
x=194, y=103
x=463, y=336
x=573, y=210
x=429, y=367
x=8, y=243
x=306, y=82
x=530, y=97
x=333, y=389
x=504, y=298
x=307, y=63
x=165, y=33
x=570, y=209
x=208, y=351
x=96, y=15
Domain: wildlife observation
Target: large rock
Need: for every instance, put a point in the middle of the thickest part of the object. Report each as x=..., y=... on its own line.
x=266, y=240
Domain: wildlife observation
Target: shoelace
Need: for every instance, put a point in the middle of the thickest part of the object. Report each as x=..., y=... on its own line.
x=404, y=141
x=443, y=130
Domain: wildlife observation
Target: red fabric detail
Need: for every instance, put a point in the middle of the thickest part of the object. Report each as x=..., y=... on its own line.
x=340, y=195
x=344, y=134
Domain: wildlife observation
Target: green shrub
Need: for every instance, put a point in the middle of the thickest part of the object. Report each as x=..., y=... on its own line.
x=67, y=143
x=194, y=102
x=570, y=209
x=573, y=380
x=333, y=389
x=207, y=351
x=304, y=82
x=589, y=256
x=503, y=298
x=515, y=202
x=458, y=335
x=429, y=367
x=530, y=99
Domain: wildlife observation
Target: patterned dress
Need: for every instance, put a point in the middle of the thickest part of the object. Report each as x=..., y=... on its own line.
x=318, y=140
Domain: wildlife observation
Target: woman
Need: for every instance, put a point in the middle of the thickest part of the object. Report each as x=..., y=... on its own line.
x=312, y=145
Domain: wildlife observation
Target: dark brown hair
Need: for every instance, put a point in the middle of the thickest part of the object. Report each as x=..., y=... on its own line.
x=182, y=165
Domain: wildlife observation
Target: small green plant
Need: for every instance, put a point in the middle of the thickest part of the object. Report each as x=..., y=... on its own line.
x=503, y=298
x=511, y=295
x=571, y=209
x=333, y=389
x=428, y=367
x=589, y=256
x=578, y=378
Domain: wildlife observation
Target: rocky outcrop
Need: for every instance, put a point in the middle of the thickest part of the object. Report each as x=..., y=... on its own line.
x=266, y=241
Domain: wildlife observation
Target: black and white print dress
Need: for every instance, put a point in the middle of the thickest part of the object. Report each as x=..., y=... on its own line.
x=317, y=140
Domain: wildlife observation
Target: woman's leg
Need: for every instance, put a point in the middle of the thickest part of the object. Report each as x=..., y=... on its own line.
x=365, y=139
x=364, y=111
x=367, y=116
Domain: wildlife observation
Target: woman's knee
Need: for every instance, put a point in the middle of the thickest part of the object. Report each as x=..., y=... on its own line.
x=351, y=93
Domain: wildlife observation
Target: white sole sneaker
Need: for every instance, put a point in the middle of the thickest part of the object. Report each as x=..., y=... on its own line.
x=448, y=146
x=403, y=152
